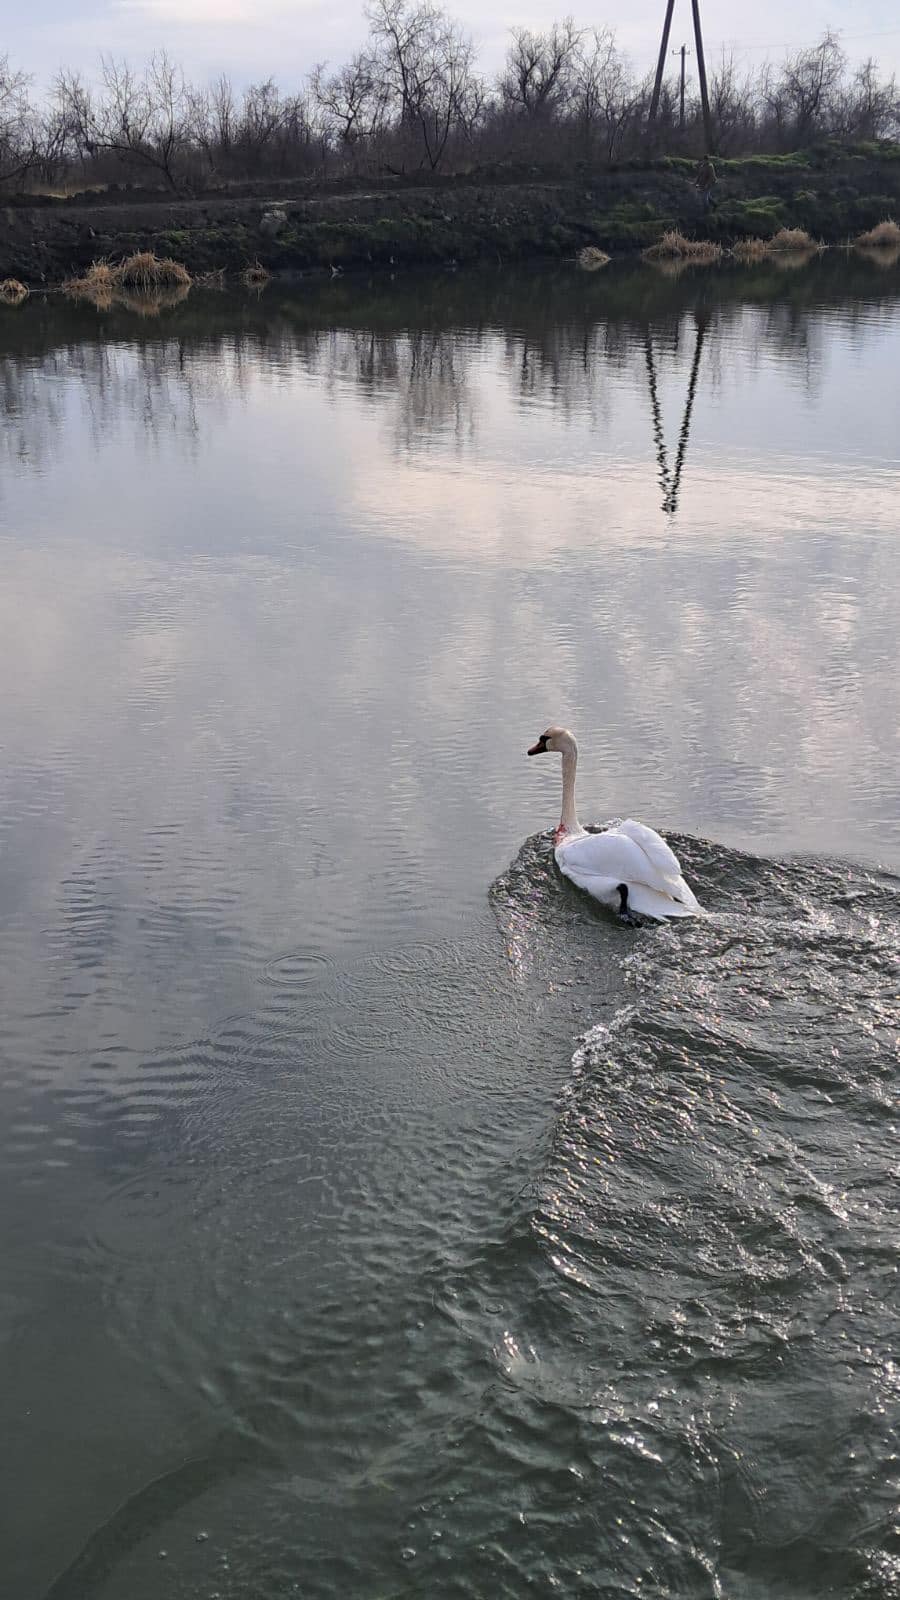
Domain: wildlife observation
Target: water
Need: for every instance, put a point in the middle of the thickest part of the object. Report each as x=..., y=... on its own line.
x=378, y=1217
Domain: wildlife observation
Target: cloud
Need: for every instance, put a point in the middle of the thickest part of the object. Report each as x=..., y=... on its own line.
x=255, y=38
x=205, y=13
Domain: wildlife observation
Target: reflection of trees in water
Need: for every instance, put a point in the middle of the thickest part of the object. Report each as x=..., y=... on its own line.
x=426, y=370
x=157, y=391
x=556, y=339
x=439, y=396
x=32, y=411
x=173, y=388
x=568, y=364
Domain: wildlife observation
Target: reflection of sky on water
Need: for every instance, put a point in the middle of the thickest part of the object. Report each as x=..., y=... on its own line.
x=278, y=622
x=279, y=613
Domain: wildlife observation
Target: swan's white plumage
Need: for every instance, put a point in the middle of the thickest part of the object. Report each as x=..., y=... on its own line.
x=653, y=845
x=599, y=862
x=627, y=853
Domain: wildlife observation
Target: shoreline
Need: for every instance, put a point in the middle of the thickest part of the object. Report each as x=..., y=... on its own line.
x=301, y=229
x=430, y=301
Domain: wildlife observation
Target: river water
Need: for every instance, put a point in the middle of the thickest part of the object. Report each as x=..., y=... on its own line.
x=378, y=1218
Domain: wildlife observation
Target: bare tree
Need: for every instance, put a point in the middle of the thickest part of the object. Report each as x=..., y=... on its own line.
x=142, y=120
x=19, y=141
x=302, y=134
x=223, y=116
x=604, y=97
x=353, y=101
x=732, y=106
x=802, y=96
x=868, y=107
x=539, y=69
x=427, y=66
x=259, y=124
x=55, y=147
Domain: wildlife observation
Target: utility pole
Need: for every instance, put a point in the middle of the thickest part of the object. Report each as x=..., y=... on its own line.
x=661, y=63
x=701, y=72
x=682, y=53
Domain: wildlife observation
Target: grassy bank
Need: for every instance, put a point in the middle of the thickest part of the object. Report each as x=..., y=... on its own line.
x=834, y=194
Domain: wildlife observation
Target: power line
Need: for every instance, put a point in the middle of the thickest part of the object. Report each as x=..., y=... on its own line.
x=800, y=44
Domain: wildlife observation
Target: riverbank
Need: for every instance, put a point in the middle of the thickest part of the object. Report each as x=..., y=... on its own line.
x=834, y=194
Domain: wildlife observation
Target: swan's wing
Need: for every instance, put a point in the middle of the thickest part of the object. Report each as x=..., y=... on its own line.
x=610, y=855
x=664, y=860
x=667, y=876
x=598, y=861
x=645, y=901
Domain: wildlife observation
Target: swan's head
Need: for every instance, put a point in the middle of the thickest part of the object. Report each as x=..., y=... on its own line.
x=555, y=739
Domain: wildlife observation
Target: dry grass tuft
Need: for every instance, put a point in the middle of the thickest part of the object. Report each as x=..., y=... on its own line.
x=147, y=272
x=884, y=236
x=13, y=291
x=256, y=276
x=750, y=249
x=789, y=247
x=794, y=239
x=144, y=272
x=673, y=246
x=211, y=280
x=97, y=284
x=590, y=259
x=143, y=283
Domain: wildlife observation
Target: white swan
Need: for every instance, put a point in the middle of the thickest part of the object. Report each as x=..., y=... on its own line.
x=628, y=867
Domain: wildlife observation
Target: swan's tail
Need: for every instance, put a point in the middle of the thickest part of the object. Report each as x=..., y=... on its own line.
x=647, y=902
x=682, y=891
x=650, y=903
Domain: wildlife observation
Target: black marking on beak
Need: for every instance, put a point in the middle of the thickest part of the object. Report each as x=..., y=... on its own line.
x=539, y=749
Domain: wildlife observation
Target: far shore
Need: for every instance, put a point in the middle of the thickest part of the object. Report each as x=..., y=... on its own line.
x=502, y=216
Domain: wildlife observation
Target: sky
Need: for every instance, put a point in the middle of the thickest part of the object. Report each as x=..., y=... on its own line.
x=253, y=39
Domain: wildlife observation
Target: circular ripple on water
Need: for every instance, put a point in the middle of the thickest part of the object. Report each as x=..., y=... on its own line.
x=298, y=969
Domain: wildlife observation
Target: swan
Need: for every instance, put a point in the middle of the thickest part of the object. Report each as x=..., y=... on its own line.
x=628, y=867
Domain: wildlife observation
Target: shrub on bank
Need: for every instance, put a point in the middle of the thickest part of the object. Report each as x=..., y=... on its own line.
x=796, y=239
x=884, y=236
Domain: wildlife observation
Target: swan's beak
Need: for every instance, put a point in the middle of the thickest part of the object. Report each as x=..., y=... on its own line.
x=539, y=749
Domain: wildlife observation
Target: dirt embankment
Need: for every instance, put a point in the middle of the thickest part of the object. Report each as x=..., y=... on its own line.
x=833, y=194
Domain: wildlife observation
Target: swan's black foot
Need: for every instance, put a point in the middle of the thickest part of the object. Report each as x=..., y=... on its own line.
x=626, y=915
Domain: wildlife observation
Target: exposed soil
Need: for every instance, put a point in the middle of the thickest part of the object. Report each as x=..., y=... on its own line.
x=296, y=227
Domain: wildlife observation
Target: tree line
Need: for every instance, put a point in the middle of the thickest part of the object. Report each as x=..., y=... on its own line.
x=413, y=99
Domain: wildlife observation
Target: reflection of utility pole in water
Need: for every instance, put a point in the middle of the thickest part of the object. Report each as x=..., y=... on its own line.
x=670, y=482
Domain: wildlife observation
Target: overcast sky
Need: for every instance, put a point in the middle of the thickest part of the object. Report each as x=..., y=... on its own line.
x=255, y=38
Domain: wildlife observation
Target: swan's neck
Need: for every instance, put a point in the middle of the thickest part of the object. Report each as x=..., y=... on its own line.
x=568, y=822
